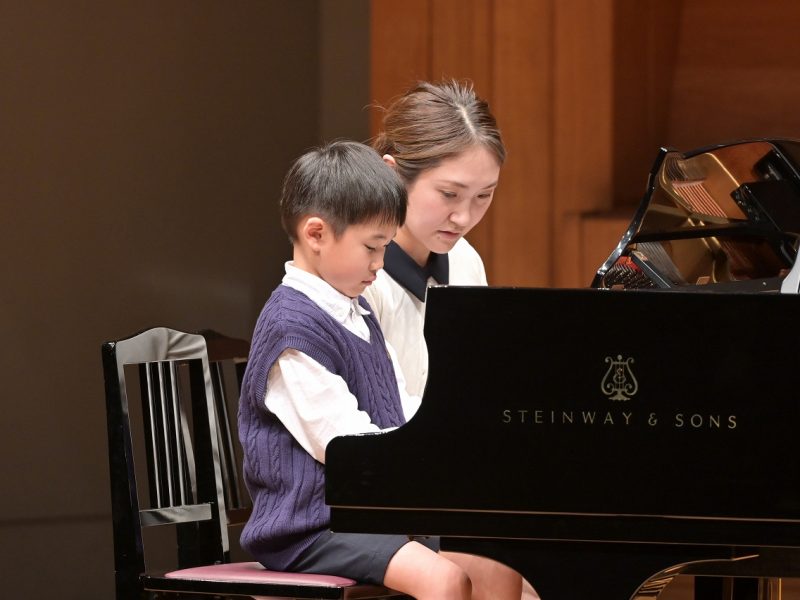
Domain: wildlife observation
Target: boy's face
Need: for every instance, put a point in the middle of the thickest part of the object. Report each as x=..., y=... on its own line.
x=351, y=262
x=445, y=202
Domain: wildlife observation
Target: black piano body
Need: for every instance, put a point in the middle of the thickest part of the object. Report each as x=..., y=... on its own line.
x=602, y=441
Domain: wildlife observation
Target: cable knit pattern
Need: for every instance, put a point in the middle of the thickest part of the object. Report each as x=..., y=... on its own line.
x=285, y=482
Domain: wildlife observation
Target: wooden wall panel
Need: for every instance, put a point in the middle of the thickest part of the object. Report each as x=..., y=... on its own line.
x=399, y=50
x=467, y=55
x=644, y=54
x=582, y=114
x=737, y=74
x=521, y=215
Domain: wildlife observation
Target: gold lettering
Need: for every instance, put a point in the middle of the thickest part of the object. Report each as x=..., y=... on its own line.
x=681, y=420
x=704, y=421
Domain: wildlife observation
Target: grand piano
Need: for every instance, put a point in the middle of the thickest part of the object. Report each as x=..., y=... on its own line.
x=602, y=441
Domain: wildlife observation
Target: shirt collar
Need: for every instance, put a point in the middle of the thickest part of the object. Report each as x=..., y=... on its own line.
x=331, y=300
x=405, y=271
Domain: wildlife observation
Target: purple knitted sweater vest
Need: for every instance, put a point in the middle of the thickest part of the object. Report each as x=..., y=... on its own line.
x=286, y=484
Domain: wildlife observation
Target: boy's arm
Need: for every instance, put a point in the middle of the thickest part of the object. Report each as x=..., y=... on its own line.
x=312, y=403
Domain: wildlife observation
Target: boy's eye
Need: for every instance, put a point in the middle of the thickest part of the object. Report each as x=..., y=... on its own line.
x=370, y=248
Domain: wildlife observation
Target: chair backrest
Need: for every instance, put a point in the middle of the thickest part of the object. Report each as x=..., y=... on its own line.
x=227, y=358
x=174, y=427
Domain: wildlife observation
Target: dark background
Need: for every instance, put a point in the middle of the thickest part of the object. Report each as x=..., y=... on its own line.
x=142, y=147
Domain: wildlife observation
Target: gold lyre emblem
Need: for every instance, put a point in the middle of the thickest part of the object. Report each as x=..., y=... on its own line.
x=619, y=382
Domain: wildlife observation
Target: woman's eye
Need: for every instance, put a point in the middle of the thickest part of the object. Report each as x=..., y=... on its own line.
x=370, y=248
x=449, y=194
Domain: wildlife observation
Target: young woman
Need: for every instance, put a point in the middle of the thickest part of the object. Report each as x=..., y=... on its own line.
x=444, y=143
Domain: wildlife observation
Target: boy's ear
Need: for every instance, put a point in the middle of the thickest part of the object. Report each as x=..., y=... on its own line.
x=313, y=231
x=389, y=160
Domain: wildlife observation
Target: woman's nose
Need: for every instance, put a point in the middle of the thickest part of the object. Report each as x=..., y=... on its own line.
x=460, y=216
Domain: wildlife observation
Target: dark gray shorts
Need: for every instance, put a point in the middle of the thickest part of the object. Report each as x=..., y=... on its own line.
x=360, y=556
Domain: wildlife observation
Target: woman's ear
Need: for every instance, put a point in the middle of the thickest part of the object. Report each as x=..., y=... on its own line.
x=389, y=160
x=312, y=232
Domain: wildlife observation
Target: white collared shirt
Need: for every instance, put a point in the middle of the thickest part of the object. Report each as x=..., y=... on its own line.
x=314, y=404
x=402, y=315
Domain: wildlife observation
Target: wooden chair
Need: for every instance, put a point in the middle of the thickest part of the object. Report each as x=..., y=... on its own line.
x=227, y=358
x=166, y=475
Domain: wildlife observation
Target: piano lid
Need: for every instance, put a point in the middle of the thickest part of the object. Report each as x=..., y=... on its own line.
x=723, y=218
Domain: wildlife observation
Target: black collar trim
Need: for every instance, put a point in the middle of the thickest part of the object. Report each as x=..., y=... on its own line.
x=405, y=271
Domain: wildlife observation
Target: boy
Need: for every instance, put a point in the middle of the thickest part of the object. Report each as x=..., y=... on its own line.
x=319, y=367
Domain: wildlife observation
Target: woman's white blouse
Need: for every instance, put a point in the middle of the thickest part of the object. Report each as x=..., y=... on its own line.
x=402, y=315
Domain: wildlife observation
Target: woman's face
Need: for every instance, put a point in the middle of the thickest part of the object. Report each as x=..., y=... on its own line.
x=445, y=202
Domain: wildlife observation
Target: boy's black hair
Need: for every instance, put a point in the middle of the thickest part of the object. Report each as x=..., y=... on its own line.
x=345, y=183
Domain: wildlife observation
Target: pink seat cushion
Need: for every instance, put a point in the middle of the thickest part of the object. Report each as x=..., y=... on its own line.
x=253, y=572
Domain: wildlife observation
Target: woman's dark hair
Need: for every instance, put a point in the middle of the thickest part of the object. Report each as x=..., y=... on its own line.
x=433, y=122
x=345, y=183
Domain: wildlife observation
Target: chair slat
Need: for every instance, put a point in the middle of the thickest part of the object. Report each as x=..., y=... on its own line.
x=168, y=433
x=170, y=457
x=152, y=427
x=176, y=448
x=230, y=475
x=175, y=514
x=189, y=480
